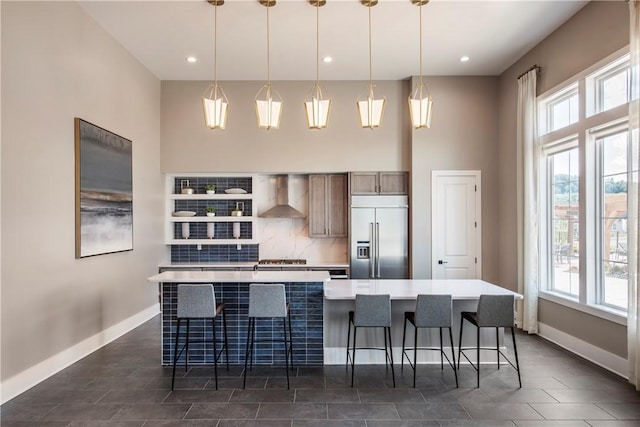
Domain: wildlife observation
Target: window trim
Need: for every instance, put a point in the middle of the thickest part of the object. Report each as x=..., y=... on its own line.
x=584, y=130
x=608, y=129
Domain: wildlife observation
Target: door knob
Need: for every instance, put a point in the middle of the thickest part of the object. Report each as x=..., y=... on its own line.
x=442, y=262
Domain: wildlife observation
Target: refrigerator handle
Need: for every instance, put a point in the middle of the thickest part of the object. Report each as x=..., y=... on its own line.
x=378, y=249
x=372, y=254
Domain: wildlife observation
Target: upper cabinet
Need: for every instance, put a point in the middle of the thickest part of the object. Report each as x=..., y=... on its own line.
x=328, y=205
x=379, y=182
x=199, y=214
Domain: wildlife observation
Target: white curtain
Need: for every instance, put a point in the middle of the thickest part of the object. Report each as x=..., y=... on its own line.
x=528, y=158
x=633, y=316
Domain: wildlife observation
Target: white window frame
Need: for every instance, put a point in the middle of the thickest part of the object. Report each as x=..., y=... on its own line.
x=583, y=130
x=556, y=147
x=596, y=134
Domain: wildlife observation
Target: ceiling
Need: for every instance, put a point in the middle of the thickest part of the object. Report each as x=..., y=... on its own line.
x=493, y=33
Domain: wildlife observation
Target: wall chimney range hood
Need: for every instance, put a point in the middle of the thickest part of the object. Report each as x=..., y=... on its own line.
x=282, y=209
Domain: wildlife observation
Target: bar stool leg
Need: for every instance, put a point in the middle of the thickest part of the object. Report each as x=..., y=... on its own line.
x=215, y=351
x=478, y=352
x=393, y=374
x=515, y=351
x=460, y=340
x=286, y=346
x=346, y=365
x=453, y=357
x=415, y=355
x=246, y=353
x=290, y=342
x=404, y=336
x=186, y=351
x=175, y=355
x=386, y=356
x=441, y=353
x=498, y=346
x=353, y=353
x=226, y=342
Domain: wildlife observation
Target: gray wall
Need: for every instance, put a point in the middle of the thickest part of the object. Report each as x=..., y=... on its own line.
x=58, y=64
x=596, y=31
x=188, y=146
x=463, y=136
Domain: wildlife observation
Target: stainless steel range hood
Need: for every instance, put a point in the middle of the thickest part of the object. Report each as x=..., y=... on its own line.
x=282, y=209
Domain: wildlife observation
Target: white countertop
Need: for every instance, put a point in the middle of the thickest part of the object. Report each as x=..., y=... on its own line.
x=409, y=289
x=239, y=276
x=249, y=265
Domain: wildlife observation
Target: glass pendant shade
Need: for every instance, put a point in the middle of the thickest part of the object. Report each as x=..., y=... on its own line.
x=268, y=108
x=316, y=106
x=371, y=110
x=215, y=106
x=268, y=102
x=420, y=103
x=317, y=109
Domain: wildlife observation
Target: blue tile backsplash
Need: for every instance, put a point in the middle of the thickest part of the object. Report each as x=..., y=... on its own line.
x=306, y=310
x=214, y=253
x=223, y=230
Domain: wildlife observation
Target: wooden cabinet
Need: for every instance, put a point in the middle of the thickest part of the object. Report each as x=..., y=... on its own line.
x=379, y=183
x=328, y=206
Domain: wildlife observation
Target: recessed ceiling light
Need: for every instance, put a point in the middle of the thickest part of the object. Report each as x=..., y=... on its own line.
x=327, y=59
x=464, y=58
x=191, y=59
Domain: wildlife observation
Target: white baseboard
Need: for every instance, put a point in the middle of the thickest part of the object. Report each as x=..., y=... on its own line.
x=28, y=378
x=600, y=357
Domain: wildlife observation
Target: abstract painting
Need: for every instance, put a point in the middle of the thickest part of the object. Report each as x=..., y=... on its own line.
x=104, y=191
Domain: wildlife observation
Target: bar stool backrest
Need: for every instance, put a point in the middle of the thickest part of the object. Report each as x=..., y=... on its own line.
x=196, y=301
x=495, y=310
x=433, y=311
x=267, y=300
x=372, y=310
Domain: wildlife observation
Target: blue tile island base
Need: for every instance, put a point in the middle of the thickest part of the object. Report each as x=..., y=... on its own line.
x=306, y=310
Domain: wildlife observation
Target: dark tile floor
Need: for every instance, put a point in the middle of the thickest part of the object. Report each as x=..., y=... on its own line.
x=124, y=385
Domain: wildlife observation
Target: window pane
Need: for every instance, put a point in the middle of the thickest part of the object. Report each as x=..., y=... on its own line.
x=614, y=90
x=614, y=154
x=613, y=223
x=565, y=222
x=564, y=111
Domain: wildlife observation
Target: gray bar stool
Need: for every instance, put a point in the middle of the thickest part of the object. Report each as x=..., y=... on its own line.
x=199, y=302
x=268, y=301
x=432, y=311
x=494, y=311
x=371, y=311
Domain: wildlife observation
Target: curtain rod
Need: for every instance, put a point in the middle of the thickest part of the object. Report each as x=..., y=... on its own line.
x=535, y=67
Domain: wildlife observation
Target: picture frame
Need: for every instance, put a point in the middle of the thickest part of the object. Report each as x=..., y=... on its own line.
x=103, y=191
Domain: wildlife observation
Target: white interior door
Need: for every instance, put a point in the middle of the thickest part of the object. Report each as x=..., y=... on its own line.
x=455, y=225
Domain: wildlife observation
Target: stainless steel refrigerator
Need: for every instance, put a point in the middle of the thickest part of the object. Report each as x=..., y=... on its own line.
x=379, y=234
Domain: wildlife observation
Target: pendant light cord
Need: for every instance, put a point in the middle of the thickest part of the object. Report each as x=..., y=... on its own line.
x=215, y=43
x=268, y=53
x=318, y=43
x=420, y=43
x=370, y=72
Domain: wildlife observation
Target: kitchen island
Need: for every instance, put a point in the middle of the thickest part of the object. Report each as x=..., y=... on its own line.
x=305, y=296
x=339, y=298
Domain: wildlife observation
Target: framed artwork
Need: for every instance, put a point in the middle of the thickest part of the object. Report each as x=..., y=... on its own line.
x=104, y=191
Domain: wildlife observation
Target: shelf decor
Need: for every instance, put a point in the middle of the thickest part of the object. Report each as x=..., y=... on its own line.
x=103, y=191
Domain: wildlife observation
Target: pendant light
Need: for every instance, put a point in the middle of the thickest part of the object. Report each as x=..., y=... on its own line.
x=370, y=109
x=315, y=105
x=268, y=102
x=214, y=101
x=420, y=101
